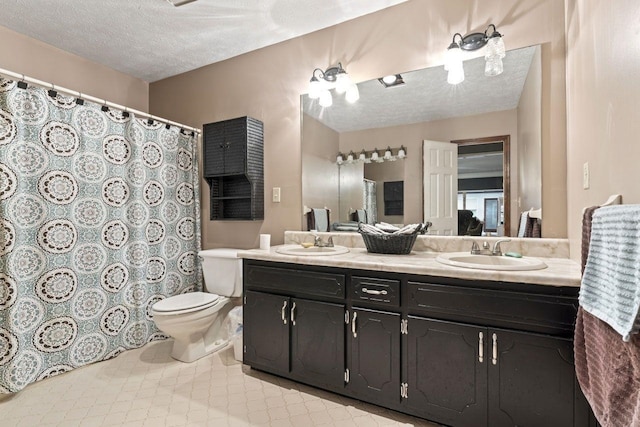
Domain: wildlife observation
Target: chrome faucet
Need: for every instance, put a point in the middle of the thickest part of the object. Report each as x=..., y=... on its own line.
x=475, y=249
x=317, y=241
x=497, y=251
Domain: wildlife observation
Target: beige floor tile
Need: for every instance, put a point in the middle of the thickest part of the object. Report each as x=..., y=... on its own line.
x=145, y=387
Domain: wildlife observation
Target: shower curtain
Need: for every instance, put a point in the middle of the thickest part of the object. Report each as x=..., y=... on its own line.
x=99, y=220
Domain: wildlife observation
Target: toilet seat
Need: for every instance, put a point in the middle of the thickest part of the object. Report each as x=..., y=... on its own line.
x=185, y=303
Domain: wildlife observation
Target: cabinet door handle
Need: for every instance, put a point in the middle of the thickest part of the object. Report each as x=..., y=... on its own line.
x=284, y=308
x=480, y=347
x=353, y=325
x=293, y=314
x=494, y=359
x=373, y=291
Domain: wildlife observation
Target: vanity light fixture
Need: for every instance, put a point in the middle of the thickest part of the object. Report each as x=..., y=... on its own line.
x=391, y=80
x=495, y=51
x=332, y=78
x=372, y=156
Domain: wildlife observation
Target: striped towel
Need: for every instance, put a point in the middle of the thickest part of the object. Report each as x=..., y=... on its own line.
x=610, y=287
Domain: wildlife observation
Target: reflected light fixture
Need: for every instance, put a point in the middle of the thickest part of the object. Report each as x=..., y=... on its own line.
x=332, y=78
x=494, y=53
x=372, y=156
x=391, y=80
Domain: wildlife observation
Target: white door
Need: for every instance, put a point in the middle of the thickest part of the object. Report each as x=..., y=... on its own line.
x=440, y=183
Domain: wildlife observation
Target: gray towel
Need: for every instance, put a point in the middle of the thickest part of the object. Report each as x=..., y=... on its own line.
x=321, y=217
x=611, y=282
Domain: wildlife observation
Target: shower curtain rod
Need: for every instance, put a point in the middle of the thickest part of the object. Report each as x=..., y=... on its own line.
x=93, y=99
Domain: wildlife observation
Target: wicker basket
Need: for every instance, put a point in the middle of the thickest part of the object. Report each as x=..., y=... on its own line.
x=391, y=244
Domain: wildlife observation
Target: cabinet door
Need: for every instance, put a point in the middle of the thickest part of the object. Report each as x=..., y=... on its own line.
x=531, y=382
x=266, y=331
x=317, y=342
x=446, y=375
x=235, y=139
x=374, y=362
x=214, y=149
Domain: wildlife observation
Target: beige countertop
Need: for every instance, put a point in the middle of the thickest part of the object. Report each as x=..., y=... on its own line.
x=559, y=271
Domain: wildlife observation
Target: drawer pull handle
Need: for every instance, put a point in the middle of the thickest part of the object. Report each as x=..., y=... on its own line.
x=494, y=359
x=284, y=317
x=293, y=314
x=373, y=291
x=353, y=325
x=480, y=347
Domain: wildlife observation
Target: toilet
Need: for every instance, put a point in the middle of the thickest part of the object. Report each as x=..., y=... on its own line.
x=195, y=320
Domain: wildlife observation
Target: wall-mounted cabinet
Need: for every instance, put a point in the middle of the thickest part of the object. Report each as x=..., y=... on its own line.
x=233, y=168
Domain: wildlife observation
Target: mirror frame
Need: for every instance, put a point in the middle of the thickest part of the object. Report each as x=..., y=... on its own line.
x=506, y=171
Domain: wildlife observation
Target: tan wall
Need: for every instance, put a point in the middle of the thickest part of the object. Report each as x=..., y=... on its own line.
x=603, y=62
x=267, y=83
x=411, y=136
x=319, y=169
x=33, y=58
x=530, y=143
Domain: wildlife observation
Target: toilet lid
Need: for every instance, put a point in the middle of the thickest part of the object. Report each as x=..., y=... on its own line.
x=185, y=301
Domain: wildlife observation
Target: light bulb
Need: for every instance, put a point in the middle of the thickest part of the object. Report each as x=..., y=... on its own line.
x=453, y=57
x=325, y=98
x=353, y=94
x=389, y=79
x=455, y=75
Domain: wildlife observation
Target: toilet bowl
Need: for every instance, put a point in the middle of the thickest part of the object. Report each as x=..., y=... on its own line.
x=195, y=320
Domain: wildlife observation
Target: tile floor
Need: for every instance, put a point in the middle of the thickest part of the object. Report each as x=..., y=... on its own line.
x=146, y=387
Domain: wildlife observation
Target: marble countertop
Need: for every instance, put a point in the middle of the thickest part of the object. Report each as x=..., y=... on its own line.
x=560, y=271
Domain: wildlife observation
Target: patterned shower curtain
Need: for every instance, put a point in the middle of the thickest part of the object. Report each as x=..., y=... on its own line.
x=99, y=219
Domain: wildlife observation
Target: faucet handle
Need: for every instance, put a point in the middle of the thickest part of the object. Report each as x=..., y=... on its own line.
x=496, y=246
x=475, y=249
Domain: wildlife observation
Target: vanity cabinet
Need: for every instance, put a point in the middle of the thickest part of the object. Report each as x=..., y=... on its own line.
x=457, y=352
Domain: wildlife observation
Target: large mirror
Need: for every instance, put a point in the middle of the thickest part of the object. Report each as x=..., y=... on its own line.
x=426, y=107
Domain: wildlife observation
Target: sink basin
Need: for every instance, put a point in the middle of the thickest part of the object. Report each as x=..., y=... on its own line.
x=298, y=250
x=488, y=262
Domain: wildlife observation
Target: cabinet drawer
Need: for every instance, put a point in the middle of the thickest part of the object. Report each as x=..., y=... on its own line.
x=553, y=314
x=376, y=291
x=295, y=282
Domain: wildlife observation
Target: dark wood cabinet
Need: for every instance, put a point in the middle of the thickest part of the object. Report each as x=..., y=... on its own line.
x=447, y=371
x=457, y=352
x=233, y=168
x=374, y=355
x=266, y=331
x=317, y=342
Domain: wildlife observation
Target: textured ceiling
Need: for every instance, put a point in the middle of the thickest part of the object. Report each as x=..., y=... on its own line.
x=426, y=96
x=151, y=39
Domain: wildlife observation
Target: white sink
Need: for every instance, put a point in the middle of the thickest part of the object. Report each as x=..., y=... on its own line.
x=298, y=250
x=489, y=262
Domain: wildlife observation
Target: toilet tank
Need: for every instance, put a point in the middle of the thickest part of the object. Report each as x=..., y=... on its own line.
x=222, y=271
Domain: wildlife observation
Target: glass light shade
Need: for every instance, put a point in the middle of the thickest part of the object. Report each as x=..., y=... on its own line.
x=350, y=157
x=339, y=159
x=387, y=154
x=343, y=82
x=325, y=98
x=493, y=67
x=363, y=156
x=495, y=47
x=402, y=153
x=353, y=94
x=453, y=57
x=315, y=88
x=374, y=155
x=455, y=75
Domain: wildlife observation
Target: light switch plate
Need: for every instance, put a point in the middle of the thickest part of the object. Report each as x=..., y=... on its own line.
x=585, y=176
x=276, y=195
